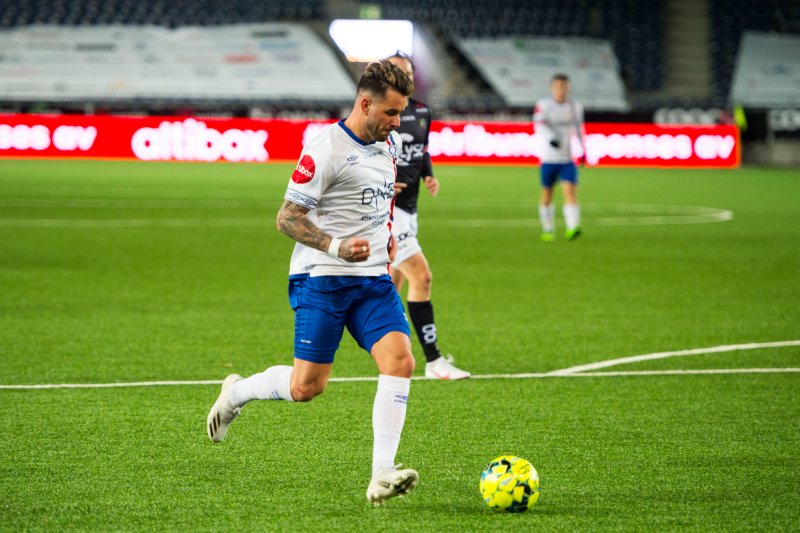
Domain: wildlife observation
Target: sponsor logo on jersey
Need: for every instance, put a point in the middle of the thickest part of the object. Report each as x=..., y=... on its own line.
x=377, y=195
x=304, y=172
x=375, y=220
x=410, y=152
x=352, y=158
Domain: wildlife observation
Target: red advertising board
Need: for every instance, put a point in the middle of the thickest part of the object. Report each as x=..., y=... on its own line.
x=635, y=145
x=246, y=140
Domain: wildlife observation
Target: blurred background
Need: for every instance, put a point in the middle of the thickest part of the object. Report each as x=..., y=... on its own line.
x=641, y=61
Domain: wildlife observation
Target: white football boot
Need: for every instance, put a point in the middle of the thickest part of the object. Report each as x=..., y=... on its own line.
x=223, y=412
x=390, y=482
x=443, y=368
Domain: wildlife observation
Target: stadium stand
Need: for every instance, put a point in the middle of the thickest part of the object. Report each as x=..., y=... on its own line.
x=170, y=13
x=118, y=64
x=730, y=18
x=635, y=28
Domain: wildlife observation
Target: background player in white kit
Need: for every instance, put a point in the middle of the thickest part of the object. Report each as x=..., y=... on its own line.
x=557, y=119
x=338, y=207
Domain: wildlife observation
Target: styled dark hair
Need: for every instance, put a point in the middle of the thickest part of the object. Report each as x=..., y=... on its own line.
x=382, y=75
x=560, y=77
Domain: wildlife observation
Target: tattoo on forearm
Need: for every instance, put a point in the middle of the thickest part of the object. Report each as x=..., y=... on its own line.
x=292, y=221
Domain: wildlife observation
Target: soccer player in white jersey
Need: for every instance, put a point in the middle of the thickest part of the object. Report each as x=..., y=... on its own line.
x=557, y=120
x=338, y=207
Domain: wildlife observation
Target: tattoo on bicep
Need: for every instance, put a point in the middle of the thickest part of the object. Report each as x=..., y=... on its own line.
x=293, y=221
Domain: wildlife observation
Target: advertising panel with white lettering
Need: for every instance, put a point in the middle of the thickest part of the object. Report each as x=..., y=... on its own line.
x=262, y=141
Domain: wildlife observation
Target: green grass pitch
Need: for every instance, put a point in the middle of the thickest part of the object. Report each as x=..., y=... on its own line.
x=116, y=272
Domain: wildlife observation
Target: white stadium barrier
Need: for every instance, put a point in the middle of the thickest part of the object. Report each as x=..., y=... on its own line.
x=243, y=61
x=767, y=71
x=520, y=68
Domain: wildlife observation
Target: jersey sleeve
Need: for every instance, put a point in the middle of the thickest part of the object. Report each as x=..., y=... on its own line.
x=428, y=120
x=541, y=122
x=578, y=107
x=310, y=178
x=580, y=129
x=427, y=165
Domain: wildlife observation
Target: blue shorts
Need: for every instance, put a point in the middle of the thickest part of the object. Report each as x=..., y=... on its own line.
x=368, y=306
x=552, y=171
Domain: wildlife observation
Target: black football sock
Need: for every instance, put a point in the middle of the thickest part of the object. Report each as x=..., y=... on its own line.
x=422, y=318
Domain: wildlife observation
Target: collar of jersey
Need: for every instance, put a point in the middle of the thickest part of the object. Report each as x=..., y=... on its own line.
x=353, y=135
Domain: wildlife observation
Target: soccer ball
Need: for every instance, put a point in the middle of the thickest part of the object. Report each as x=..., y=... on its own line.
x=510, y=484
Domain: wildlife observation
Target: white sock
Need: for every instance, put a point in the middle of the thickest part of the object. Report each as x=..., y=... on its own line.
x=547, y=216
x=572, y=215
x=274, y=383
x=388, y=417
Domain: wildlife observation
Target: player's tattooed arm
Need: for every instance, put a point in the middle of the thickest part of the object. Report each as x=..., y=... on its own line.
x=293, y=221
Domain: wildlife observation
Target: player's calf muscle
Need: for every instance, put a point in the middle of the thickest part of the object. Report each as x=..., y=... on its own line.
x=306, y=393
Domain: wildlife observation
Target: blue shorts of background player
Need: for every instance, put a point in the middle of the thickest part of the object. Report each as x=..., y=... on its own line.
x=369, y=307
x=551, y=172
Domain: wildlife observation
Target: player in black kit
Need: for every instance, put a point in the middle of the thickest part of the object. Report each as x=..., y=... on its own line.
x=414, y=166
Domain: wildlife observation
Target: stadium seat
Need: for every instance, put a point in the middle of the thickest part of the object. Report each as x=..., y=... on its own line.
x=170, y=13
x=630, y=25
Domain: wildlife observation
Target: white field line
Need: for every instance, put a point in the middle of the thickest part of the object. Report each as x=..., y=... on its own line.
x=135, y=223
x=264, y=222
x=722, y=216
x=565, y=373
x=696, y=372
x=103, y=203
x=205, y=203
x=675, y=215
x=663, y=355
x=126, y=192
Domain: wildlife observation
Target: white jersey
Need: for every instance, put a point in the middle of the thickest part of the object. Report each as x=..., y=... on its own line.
x=559, y=121
x=348, y=185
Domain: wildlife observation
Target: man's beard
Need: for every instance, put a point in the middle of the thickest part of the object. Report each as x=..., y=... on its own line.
x=375, y=132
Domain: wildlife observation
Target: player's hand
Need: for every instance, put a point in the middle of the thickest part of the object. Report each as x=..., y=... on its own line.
x=354, y=250
x=399, y=186
x=432, y=184
x=392, y=248
x=555, y=143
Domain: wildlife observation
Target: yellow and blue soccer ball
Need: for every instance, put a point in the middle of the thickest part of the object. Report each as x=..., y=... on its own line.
x=510, y=484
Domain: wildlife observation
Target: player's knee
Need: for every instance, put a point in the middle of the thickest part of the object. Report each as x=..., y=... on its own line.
x=423, y=277
x=405, y=365
x=427, y=277
x=306, y=393
x=402, y=365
